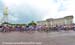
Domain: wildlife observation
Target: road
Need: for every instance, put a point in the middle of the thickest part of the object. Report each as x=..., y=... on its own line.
x=38, y=38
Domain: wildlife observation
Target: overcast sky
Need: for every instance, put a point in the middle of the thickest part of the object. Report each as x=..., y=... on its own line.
x=22, y=11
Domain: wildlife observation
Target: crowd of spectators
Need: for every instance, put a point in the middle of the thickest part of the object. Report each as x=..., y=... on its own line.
x=44, y=28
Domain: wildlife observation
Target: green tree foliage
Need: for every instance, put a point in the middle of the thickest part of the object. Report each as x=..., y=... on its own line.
x=5, y=23
x=32, y=23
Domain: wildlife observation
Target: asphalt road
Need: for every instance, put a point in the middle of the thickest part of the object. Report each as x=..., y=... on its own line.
x=37, y=38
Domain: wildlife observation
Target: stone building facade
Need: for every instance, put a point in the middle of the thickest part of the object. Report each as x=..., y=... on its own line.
x=59, y=21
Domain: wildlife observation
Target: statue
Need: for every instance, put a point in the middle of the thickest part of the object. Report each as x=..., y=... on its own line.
x=5, y=11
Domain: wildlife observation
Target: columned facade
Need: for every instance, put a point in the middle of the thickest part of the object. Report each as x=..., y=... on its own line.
x=59, y=21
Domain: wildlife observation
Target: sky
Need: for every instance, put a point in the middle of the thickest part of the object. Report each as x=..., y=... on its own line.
x=24, y=11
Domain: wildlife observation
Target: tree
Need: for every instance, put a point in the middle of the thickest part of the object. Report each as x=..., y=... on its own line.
x=5, y=23
x=32, y=23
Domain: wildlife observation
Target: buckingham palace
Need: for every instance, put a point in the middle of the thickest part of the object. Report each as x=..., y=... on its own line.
x=58, y=21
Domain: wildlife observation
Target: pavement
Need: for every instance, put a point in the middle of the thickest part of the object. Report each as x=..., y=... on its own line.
x=37, y=38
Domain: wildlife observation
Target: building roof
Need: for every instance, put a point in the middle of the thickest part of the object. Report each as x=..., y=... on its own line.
x=50, y=19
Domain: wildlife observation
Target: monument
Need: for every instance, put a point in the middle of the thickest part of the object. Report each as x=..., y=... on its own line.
x=5, y=15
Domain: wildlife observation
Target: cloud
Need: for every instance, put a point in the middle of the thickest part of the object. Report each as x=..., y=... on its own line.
x=12, y=19
x=61, y=8
x=69, y=8
x=28, y=10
